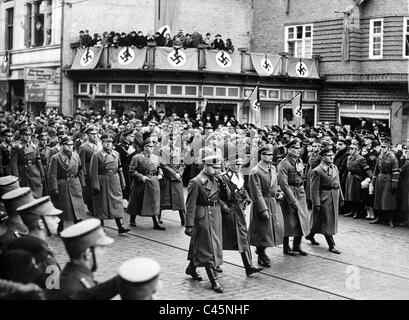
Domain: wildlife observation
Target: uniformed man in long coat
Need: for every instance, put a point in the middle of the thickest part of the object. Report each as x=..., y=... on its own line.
x=125, y=150
x=358, y=170
x=296, y=215
x=107, y=183
x=234, y=224
x=84, y=242
x=171, y=186
x=41, y=218
x=204, y=221
x=313, y=160
x=5, y=150
x=66, y=183
x=266, y=218
x=386, y=180
x=85, y=151
x=25, y=161
x=145, y=174
x=326, y=195
x=44, y=149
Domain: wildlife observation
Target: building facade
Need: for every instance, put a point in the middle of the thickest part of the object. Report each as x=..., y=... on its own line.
x=363, y=47
x=38, y=44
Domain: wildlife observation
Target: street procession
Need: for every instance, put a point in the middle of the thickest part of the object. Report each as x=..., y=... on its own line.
x=275, y=159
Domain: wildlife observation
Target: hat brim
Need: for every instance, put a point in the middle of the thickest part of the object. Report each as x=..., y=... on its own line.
x=104, y=241
x=54, y=212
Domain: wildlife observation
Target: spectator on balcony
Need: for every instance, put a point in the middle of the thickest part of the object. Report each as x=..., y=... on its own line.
x=218, y=42
x=208, y=40
x=168, y=40
x=160, y=38
x=196, y=38
x=229, y=46
x=150, y=37
x=140, y=40
x=123, y=40
x=187, y=43
x=105, y=39
x=132, y=38
x=115, y=41
x=86, y=40
x=81, y=39
x=177, y=43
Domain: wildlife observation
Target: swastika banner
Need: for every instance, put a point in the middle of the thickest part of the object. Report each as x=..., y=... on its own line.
x=87, y=58
x=222, y=61
x=180, y=59
x=127, y=58
x=302, y=68
x=266, y=65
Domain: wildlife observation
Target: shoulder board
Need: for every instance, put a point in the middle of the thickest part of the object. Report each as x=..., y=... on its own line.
x=85, y=283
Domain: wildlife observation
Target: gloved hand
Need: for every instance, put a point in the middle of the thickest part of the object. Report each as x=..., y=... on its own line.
x=189, y=231
x=264, y=215
x=294, y=206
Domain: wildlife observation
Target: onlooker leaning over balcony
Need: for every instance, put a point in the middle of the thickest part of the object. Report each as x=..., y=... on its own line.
x=218, y=42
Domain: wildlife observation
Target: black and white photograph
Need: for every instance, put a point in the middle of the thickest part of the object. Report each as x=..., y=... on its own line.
x=188, y=151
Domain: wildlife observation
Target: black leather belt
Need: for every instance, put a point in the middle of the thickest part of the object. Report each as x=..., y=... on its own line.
x=107, y=173
x=329, y=188
x=208, y=203
x=296, y=184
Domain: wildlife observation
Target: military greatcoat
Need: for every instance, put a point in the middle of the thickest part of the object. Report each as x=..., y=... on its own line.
x=65, y=176
x=326, y=193
x=144, y=198
x=85, y=151
x=204, y=215
x=263, y=187
x=26, y=164
x=386, y=176
x=358, y=170
x=291, y=181
x=171, y=188
x=107, y=182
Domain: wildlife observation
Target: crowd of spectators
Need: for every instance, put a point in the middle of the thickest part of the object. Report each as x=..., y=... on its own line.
x=159, y=39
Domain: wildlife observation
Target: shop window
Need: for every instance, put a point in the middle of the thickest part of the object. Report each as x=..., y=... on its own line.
x=83, y=88
x=176, y=90
x=143, y=88
x=102, y=88
x=233, y=92
x=129, y=89
x=208, y=91
x=220, y=92
x=116, y=88
x=287, y=94
x=161, y=89
x=191, y=90
x=310, y=95
x=274, y=94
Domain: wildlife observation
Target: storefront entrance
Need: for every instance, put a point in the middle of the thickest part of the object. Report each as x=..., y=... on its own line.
x=126, y=106
x=222, y=108
x=179, y=107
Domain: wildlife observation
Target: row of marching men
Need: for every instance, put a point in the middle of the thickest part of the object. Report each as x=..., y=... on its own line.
x=29, y=269
x=217, y=200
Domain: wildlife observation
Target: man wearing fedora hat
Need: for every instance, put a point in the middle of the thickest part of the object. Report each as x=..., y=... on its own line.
x=41, y=218
x=234, y=225
x=25, y=161
x=66, y=183
x=266, y=227
x=295, y=210
x=145, y=173
x=107, y=183
x=326, y=195
x=85, y=243
x=85, y=151
x=204, y=221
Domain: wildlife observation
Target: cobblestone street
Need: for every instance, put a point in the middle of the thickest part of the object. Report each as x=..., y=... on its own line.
x=375, y=255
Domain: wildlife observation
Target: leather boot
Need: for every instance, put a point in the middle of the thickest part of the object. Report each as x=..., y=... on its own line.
x=250, y=269
x=191, y=271
x=262, y=260
x=156, y=224
x=121, y=229
x=350, y=214
x=331, y=245
x=182, y=217
x=218, y=269
x=160, y=217
x=375, y=221
x=213, y=280
x=286, y=247
x=132, y=220
x=392, y=221
x=297, y=246
x=310, y=238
